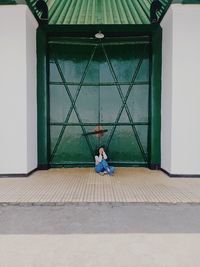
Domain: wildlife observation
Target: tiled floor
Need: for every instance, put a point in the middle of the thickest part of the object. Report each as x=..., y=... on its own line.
x=84, y=185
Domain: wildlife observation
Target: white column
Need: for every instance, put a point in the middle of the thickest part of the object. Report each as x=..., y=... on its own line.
x=180, y=130
x=18, y=98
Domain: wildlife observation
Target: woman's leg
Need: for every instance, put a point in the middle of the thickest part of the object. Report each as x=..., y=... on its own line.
x=112, y=170
x=107, y=168
x=105, y=165
x=99, y=168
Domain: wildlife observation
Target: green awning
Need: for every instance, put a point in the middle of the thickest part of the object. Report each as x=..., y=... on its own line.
x=91, y=12
x=85, y=12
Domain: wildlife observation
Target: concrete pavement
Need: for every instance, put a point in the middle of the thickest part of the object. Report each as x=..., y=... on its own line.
x=105, y=250
x=137, y=185
x=100, y=235
x=76, y=218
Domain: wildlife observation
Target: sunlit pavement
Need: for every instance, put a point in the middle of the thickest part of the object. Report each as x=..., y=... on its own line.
x=117, y=250
x=146, y=237
x=84, y=185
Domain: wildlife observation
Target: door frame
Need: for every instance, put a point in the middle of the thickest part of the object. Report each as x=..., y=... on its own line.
x=48, y=31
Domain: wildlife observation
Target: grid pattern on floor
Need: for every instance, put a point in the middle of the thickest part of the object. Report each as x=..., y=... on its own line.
x=84, y=185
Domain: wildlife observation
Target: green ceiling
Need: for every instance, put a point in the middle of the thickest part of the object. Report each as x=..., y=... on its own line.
x=85, y=12
x=90, y=12
x=100, y=11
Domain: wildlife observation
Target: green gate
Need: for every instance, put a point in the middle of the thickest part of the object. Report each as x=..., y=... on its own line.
x=99, y=95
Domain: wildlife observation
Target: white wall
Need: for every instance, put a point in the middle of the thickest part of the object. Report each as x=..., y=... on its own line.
x=180, y=130
x=18, y=109
x=166, y=97
x=31, y=81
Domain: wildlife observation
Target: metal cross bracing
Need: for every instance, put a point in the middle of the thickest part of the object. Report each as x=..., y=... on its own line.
x=73, y=106
x=123, y=96
x=124, y=104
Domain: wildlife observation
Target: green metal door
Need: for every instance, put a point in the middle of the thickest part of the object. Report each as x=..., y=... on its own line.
x=99, y=95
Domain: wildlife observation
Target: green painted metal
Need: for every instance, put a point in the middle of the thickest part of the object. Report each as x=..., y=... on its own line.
x=155, y=106
x=88, y=12
x=42, y=99
x=7, y=2
x=185, y=1
x=164, y=11
x=102, y=88
x=109, y=30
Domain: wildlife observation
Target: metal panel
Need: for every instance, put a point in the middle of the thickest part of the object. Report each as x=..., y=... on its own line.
x=99, y=95
x=155, y=99
x=64, y=12
x=42, y=99
x=7, y=2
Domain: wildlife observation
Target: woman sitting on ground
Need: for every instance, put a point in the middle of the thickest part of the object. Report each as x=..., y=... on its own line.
x=101, y=165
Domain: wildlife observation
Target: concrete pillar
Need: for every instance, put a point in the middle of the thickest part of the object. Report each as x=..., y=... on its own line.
x=18, y=95
x=180, y=111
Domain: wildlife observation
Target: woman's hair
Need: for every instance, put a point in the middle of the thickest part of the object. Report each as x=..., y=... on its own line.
x=97, y=149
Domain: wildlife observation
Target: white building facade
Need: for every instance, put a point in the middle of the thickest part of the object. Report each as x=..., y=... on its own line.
x=180, y=92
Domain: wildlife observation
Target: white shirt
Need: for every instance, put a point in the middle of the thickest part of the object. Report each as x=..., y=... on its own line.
x=99, y=158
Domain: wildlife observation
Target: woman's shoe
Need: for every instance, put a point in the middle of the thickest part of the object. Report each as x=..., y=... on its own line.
x=109, y=172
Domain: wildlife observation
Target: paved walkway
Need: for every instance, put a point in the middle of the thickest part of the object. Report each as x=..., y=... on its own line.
x=139, y=185
x=105, y=250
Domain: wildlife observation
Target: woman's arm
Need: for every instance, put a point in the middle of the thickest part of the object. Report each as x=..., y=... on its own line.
x=98, y=159
x=104, y=155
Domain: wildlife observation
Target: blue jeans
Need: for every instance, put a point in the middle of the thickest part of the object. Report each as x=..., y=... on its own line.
x=103, y=166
